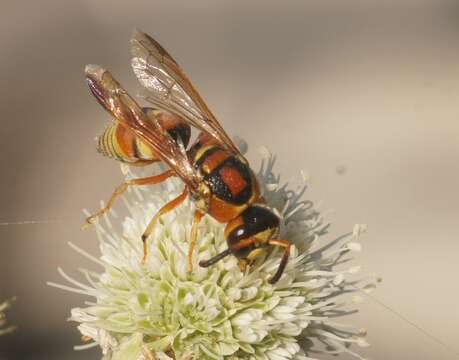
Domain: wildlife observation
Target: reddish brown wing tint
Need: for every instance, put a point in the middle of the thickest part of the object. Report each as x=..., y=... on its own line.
x=123, y=107
x=169, y=88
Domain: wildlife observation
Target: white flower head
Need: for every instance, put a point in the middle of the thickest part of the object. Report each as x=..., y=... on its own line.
x=4, y=327
x=158, y=310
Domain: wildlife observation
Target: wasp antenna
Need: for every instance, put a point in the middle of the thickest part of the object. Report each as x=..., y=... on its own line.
x=216, y=258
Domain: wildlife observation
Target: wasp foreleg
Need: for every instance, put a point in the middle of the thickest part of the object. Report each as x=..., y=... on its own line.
x=254, y=254
x=285, y=244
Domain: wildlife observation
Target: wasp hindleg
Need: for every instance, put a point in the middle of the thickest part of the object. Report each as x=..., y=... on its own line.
x=150, y=180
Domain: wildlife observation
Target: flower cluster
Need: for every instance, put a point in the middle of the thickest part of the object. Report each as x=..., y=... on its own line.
x=158, y=310
x=4, y=328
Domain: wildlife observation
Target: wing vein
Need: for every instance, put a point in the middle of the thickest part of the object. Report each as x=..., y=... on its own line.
x=152, y=65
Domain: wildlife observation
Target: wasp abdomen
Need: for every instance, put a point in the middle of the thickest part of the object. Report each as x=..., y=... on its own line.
x=120, y=143
x=107, y=143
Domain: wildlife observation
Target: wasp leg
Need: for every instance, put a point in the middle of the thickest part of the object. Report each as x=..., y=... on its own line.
x=171, y=205
x=243, y=263
x=250, y=260
x=255, y=254
x=123, y=187
x=194, y=233
x=285, y=244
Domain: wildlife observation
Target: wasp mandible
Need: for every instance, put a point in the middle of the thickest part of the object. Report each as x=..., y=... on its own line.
x=216, y=175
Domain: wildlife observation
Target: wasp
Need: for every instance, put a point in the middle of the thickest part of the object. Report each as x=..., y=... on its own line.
x=216, y=175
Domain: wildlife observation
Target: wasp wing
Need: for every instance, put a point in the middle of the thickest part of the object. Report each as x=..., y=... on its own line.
x=170, y=89
x=112, y=96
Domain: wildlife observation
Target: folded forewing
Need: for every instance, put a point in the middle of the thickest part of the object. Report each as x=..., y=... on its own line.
x=170, y=89
x=112, y=96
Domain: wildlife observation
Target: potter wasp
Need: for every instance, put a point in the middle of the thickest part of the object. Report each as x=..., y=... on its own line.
x=215, y=173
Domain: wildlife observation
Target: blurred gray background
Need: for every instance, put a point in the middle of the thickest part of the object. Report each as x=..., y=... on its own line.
x=363, y=95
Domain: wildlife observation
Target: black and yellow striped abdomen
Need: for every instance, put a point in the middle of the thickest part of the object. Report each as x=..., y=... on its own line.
x=120, y=143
